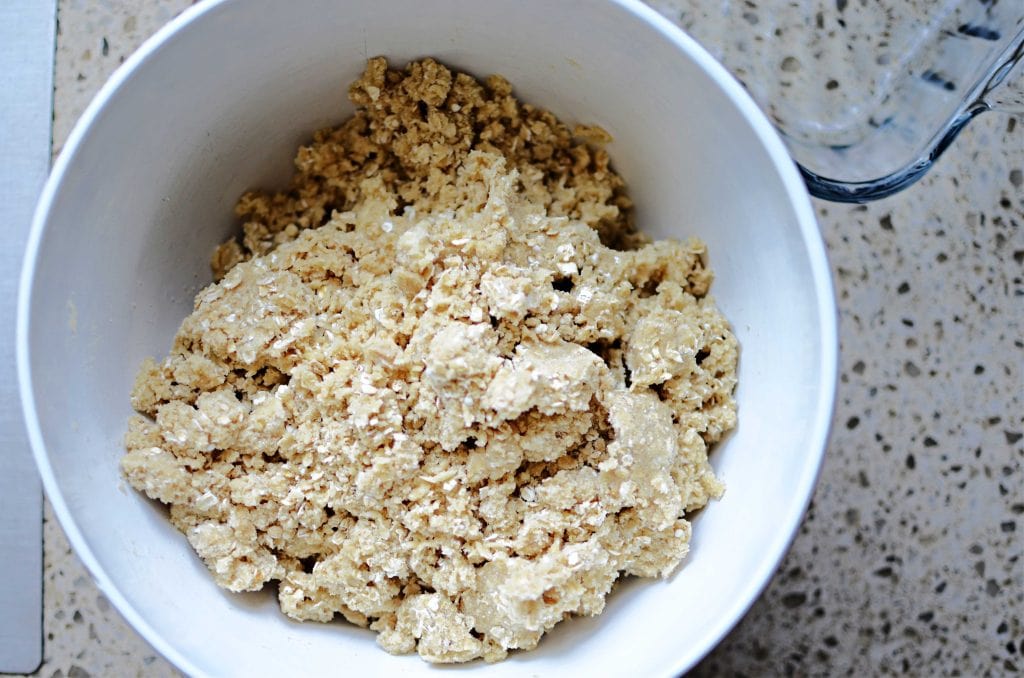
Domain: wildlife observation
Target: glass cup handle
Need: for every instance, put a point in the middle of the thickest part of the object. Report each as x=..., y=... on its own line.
x=1004, y=90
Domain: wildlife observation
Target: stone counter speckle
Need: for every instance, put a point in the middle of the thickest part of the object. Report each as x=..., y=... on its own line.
x=909, y=559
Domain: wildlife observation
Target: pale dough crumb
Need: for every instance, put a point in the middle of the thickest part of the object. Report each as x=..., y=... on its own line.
x=425, y=395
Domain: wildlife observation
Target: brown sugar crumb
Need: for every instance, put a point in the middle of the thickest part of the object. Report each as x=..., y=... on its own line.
x=411, y=131
x=425, y=394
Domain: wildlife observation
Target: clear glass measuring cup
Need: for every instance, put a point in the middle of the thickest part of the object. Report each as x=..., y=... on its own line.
x=866, y=93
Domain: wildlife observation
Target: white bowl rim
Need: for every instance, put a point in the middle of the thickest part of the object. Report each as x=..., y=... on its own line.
x=790, y=516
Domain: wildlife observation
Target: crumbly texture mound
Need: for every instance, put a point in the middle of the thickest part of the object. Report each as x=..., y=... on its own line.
x=454, y=416
x=412, y=130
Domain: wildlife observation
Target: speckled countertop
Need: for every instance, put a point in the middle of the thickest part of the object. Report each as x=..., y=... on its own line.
x=909, y=559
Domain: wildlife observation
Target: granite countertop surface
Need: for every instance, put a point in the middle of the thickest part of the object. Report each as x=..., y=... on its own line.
x=909, y=558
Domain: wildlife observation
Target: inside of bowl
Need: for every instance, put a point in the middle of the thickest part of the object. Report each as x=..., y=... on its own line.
x=219, y=106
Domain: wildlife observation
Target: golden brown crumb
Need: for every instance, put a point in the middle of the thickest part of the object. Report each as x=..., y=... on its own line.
x=424, y=394
x=412, y=130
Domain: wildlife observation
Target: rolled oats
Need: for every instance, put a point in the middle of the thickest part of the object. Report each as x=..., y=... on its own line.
x=441, y=387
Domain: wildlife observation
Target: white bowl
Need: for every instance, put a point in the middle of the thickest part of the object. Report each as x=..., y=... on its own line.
x=217, y=102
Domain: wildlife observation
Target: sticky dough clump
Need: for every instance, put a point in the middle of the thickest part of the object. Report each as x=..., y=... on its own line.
x=426, y=394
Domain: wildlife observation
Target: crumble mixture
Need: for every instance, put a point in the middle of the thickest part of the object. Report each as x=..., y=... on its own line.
x=441, y=387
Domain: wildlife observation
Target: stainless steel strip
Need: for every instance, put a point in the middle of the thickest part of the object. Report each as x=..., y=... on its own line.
x=27, y=34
